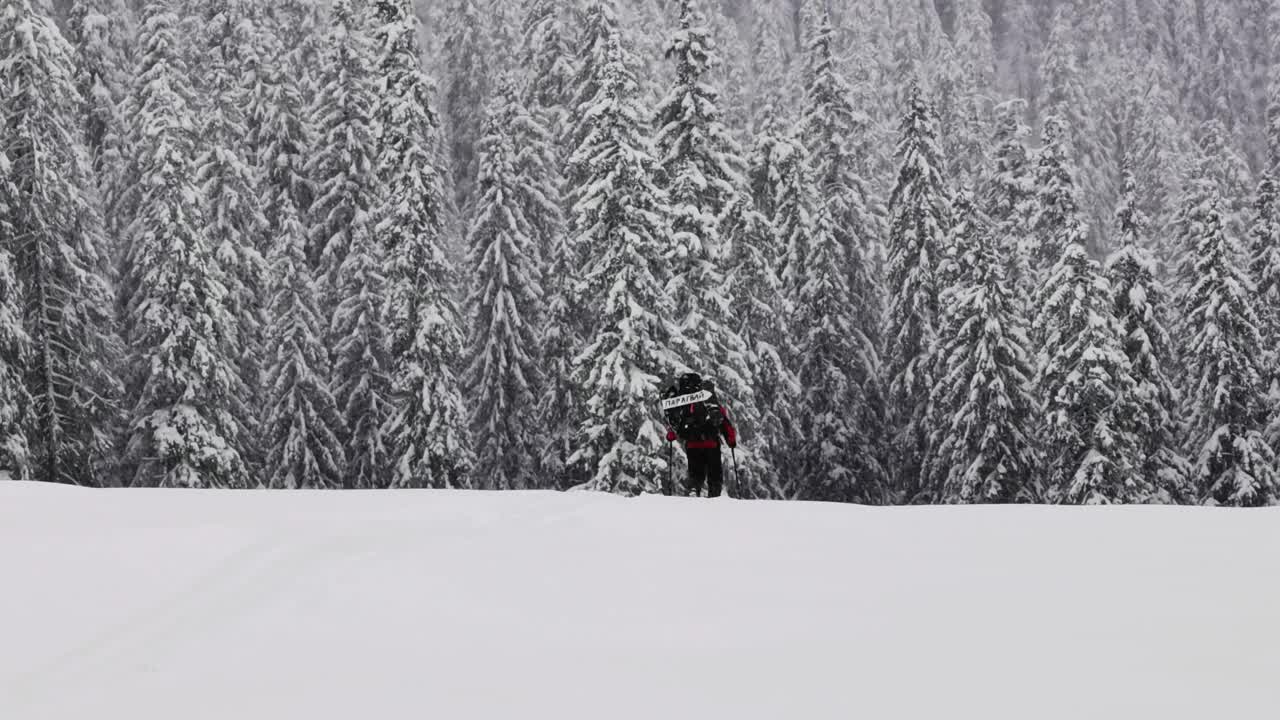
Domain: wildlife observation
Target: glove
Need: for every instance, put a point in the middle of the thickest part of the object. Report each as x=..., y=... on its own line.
x=671, y=436
x=733, y=444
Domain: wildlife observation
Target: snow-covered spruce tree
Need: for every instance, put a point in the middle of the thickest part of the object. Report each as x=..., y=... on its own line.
x=563, y=336
x=1065, y=95
x=644, y=29
x=597, y=25
x=302, y=429
x=966, y=134
x=1264, y=252
x=1056, y=197
x=15, y=348
x=427, y=430
x=183, y=430
x=835, y=133
x=539, y=186
x=702, y=173
x=298, y=26
x=1273, y=103
x=503, y=304
x=919, y=221
x=467, y=64
x=57, y=243
x=1157, y=150
x=1142, y=306
x=619, y=219
x=568, y=316
x=537, y=163
x=1222, y=357
x=981, y=448
x=835, y=453
x=282, y=137
x=546, y=51
x=231, y=191
x=1008, y=197
x=1083, y=376
x=358, y=341
x=1264, y=266
x=767, y=85
x=760, y=311
x=731, y=79
x=342, y=162
x=100, y=32
x=1220, y=161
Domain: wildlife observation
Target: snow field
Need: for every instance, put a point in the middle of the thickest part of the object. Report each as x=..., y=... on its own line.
x=156, y=605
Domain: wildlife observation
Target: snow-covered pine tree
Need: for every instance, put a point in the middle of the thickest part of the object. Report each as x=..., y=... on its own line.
x=100, y=32
x=1056, y=197
x=563, y=337
x=1083, y=376
x=768, y=90
x=467, y=66
x=644, y=29
x=298, y=26
x=731, y=78
x=361, y=379
x=756, y=293
x=619, y=221
x=57, y=245
x=342, y=161
x=1220, y=161
x=981, y=450
x=302, y=429
x=1065, y=95
x=1222, y=356
x=1273, y=100
x=1217, y=76
x=763, y=178
x=596, y=26
x=919, y=210
x=183, y=430
x=504, y=303
x=1141, y=305
x=568, y=316
x=231, y=191
x=1264, y=266
x=547, y=52
x=835, y=133
x=976, y=57
x=281, y=136
x=1156, y=147
x=540, y=188
x=538, y=163
x=427, y=431
x=1008, y=194
x=701, y=169
x=15, y=348
x=835, y=453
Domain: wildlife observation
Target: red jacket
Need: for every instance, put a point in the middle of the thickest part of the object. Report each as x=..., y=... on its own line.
x=726, y=429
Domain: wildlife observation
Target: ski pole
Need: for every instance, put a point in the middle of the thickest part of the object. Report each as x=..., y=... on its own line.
x=737, y=480
x=671, y=461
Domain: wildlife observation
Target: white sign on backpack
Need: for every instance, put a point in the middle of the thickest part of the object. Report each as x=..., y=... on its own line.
x=690, y=399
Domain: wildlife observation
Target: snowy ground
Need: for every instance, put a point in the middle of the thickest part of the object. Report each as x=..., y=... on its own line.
x=146, y=605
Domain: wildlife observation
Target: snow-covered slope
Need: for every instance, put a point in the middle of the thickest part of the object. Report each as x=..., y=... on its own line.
x=145, y=605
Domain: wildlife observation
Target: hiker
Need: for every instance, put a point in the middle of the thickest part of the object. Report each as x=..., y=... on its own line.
x=699, y=426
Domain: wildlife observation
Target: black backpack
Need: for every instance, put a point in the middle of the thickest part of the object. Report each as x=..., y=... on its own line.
x=692, y=408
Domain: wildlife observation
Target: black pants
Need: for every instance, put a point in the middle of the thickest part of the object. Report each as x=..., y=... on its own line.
x=705, y=470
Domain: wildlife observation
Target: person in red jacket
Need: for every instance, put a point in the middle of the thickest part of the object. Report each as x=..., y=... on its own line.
x=701, y=440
